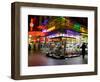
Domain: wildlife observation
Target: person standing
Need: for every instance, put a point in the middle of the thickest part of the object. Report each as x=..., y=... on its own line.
x=29, y=47
x=83, y=50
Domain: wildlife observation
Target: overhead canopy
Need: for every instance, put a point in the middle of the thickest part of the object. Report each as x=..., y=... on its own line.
x=45, y=25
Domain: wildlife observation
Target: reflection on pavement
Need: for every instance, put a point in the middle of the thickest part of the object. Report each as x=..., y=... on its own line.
x=42, y=60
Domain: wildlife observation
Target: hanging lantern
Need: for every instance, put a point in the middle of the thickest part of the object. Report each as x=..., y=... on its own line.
x=69, y=24
x=76, y=27
x=41, y=27
x=83, y=29
x=45, y=22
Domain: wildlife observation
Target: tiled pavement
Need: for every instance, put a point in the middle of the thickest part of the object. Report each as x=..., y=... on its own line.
x=41, y=60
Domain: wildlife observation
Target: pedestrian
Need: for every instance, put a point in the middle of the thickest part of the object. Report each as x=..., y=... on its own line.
x=29, y=47
x=83, y=50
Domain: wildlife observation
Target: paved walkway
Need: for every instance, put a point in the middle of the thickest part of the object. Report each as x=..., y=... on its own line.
x=67, y=61
x=41, y=60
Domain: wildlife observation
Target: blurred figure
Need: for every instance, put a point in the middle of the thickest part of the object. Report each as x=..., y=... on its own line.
x=29, y=47
x=83, y=50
